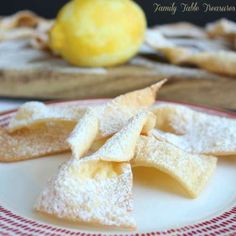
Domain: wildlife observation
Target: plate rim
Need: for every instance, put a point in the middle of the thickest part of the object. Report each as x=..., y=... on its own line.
x=216, y=110
x=221, y=224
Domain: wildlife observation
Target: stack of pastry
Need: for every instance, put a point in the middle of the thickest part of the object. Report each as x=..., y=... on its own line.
x=106, y=141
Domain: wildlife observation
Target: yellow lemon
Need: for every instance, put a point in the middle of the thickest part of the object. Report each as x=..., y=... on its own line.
x=98, y=32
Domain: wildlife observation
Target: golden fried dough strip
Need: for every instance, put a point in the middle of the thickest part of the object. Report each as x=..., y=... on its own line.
x=194, y=131
x=41, y=140
x=191, y=171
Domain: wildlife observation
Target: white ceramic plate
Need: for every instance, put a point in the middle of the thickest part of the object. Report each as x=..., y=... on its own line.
x=161, y=207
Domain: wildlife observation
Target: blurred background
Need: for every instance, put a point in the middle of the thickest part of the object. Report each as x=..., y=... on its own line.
x=28, y=69
x=49, y=9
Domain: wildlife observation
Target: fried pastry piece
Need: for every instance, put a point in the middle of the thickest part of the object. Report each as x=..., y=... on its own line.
x=190, y=170
x=90, y=191
x=39, y=140
x=181, y=30
x=118, y=111
x=32, y=113
x=156, y=40
x=112, y=117
x=222, y=28
x=214, y=57
x=18, y=33
x=20, y=19
x=93, y=190
x=124, y=140
x=40, y=39
x=175, y=54
x=84, y=134
x=97, y=189
x=120, y=147
x=24, y=24
x=221, y=62
x=194, y=131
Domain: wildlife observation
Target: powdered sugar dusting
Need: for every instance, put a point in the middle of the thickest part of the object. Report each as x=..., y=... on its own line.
x=84, y=134
x=201, y=133
x=36, y=112
x=121, y=146
x=105, y=201
x=118, y=111
x=192, y=171
x=38, y=141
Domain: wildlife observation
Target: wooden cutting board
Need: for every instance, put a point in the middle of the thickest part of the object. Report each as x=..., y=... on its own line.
x=29, y=73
